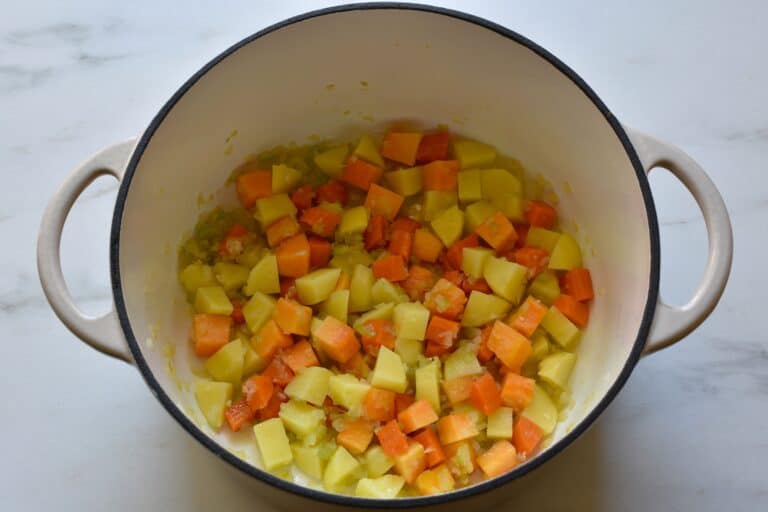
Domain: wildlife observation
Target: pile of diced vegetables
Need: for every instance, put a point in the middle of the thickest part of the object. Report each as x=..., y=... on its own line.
x=397, y=321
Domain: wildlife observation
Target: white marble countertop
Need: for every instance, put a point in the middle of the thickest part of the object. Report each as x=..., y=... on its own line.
x=82, y=432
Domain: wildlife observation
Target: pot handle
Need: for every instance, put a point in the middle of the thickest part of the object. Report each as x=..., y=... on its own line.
x=103, y=332
x=672, y=323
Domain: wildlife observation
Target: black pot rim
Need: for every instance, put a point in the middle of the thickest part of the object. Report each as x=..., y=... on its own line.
x=351, y=501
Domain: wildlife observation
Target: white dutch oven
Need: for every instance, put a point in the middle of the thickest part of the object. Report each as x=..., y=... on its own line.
x=429, y=65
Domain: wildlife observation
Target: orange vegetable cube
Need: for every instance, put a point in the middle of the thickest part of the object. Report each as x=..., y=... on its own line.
x=426, y=246
x=401, y=243
x=337, y=339
x=419, y=281
x=401, y=146
x=292, y=317
x=252, y=186
x=284, y=227
x=540, y=214
x=238, y=414
x=455, y=253
x=319, y=251
x=355, y=436
x=293, y=256
x=379, y=404
x=458, y=390
x=526, y=435
x=528, y=317
x=376, y=333
x=435, y=481
x=577, y=312
x=269, y=339
x=442, y=331
x=500, y=458
x=391, y=267
x=433, y=450
x=498, y=232
x=411, y=463
x=210, y=333
x=392, y=439
x=300, y=356
x=375, y=235
x=511, y=347
x=402, y=402
x=382, y=201
x=485, y=395
x=578, y=284
x=433, y=146
x=280, y=373
x=535, y=258
x=332, y=192
x=418, y=415
x=320, y=221
x=360, y=173
x=517, y=391
x=258, y=390
x=456, y=427
x=441, y=175
x=445, y=299
x=302, y=197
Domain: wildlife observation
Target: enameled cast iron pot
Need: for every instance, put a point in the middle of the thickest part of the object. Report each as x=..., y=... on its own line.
x=426, y=64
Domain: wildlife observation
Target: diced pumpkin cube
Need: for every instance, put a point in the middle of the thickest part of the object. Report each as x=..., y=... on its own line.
x=417, y=416
x=340, y=469
x=456, y=427
x=435, y=481
x=460, y=363
x=470, y=186
x=196, y=275
x=436, y=201
x=308, y=460
x=566, y=255
x=498, y=232
x=353, y=221
x=355, y=435
x=310, y=385
x=517, y=391
x=301, y=418
x=337, y=340
x=331, y=161
x=511, y=347
x=379, y=312
x=292, y=317
x=401, y=146
x=476, y=213
x=449, y=225
x=382, y=201
x=254, y=185
x=411, y=463
x=427, y=383
x=212, y=300
x=542, y=411
x=348, y=391
x=293, y=256
x=411, y=319
x=377, y=462
x=360, y=173
x=389, y=372
x=383, y=487
x=506, y=278
x=258, y=310
x=210, y=333
x=483, y=308
x=269, y=209
x=274, y=448
x=542, y=238
x=471, y=153
x=263, y=277
x=500, y=423
x=500, y=458
x=317, y=286
x=473, y=261
x=556, y=368
x=212, y=398
x=406, y=182
x=562, y=330
x=360, y=289
x=426, y=246
x=226, y=365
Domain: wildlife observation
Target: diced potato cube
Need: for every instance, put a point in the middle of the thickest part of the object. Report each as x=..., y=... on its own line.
x=506, y=278
x=389, y=372
x=336, y=305
x=539, y=346
x=226, y=365
x=360, y=289
x=353, y=221
x=263, y=277
x=545, y=287
x=384, y=487
x=340, y=469
x=473, y=260
x=307, y=459
x=331, y=161
x=542, y=411
x=284, y=178
x=231, y=275
x=384, y=291
x=482, y=308
x=463, y=361
x=346, y=257
x=500, y=423
x=562, y=330
x=310, y=384
x=476, y=213
x=315, y=287
x=427, y=383
x=273, y=445
x=212, y=300
x=503, y=190
x=405, y=182
x=300, y=417
x=471, y=153
x=411, y=319
x=380, y=312
x=449, y=225
x=253, y=362
x=556, y=368
x=250, y=256
x=470, y=186
x=542, y=238
x=348, y=391
x=409, y=350
x=196, y=275
x=271, y=208
x=368, y=150
x=258, y=310
x=566, y=255
x=377, y=462
x=212, y=398
x=436, y=201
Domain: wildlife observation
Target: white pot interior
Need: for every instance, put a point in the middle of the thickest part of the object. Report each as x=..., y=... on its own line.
x=420, y=66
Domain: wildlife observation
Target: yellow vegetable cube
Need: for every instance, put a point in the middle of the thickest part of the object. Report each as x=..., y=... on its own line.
x=406, y=182
x=506, y=278
x=384, y=487
x=473, y=260
x=258, y=310
x=471, y=153
x=231, y=276
x=462, y=362
x=427, y=383
x=409, y=350
x=271, y=208
x=226, y=365
x=500, y=424
x=310, y=385
x=562, y=330
x=263, y=277
x=449, y=225
x=317, y=286
x=212, y=398
x=436, y=201
x=273, y=445
x=348, y=391
x=384, y=291
x=566, y=255
x=377, y=462
x=482, y=308
x=470, y=186
x=253, y=362
x=212, y=300
x=307, y=459
x=542, y=411
x=284, y=178
x=301, y=418
x=336, y=305
x=411, y=319
x=353, y=222
x=389, y=372
x=542, y=238
x=195, y=276
x=340, y=469
x=556, y=368
x=380, y=312
x=331, y=161
x=368, y=150
x=545, y=287
x=476, y=213
x=360, y=289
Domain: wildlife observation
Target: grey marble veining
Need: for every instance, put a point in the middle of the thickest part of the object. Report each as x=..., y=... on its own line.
x=81, y=432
